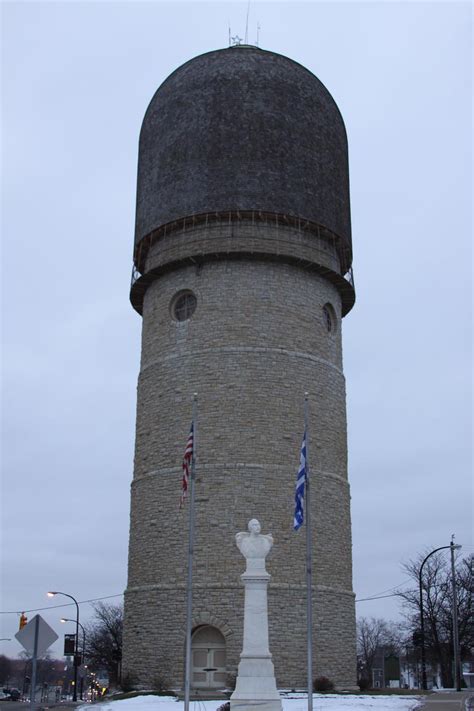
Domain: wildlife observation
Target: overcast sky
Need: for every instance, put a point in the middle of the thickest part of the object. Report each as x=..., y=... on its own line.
x=77, y=78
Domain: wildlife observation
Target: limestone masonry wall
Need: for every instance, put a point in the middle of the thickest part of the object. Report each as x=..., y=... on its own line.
x=257, y=341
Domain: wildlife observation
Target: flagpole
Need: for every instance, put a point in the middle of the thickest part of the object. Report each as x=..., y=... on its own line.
x=309, y=606
x=189, y=586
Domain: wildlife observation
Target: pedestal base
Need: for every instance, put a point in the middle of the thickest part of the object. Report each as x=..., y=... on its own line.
x=256, y=705
x=256, y=687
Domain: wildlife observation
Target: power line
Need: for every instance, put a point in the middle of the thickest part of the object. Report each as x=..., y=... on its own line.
x=108, y=597
x=380, y=597
x=53, y=607
x=395, y=587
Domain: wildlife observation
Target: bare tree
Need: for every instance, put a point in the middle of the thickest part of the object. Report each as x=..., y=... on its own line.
x=5, y=669
x=104, y=640
x=437, y=609
x=373, y=636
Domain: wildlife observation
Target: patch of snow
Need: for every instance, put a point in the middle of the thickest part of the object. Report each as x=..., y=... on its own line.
x=297, y=702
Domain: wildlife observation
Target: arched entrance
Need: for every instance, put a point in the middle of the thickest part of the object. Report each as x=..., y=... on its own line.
x=208, y=658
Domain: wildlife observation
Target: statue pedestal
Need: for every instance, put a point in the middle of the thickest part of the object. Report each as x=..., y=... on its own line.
x=256, y=686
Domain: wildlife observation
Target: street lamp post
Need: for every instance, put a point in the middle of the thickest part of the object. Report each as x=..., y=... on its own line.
x=66, y=619
x=52, y=594
x=452, y=547
x=457, y=666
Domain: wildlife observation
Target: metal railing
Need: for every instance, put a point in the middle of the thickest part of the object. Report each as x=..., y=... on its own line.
x=190, y=223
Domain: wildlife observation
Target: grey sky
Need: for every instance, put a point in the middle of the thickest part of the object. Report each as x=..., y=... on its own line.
x=77, y=79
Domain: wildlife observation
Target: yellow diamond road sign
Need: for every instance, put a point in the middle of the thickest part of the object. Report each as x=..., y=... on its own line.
x=46, y=636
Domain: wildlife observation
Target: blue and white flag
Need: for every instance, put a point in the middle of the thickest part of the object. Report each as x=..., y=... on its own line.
x=299, y=491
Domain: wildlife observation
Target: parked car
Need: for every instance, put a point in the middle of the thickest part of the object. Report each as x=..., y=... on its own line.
x=13, y=695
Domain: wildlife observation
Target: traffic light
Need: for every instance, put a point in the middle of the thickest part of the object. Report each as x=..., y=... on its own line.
x=23, y=620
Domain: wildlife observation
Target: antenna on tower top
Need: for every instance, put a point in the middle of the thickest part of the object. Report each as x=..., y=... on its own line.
x=258, y=33
x=247, y=24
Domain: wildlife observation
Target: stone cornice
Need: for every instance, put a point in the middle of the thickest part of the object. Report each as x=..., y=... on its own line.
x=243, y=349
x=235, y=465
x=166, y=587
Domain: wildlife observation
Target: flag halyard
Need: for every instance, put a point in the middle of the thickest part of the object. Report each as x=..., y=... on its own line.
x=300, y=486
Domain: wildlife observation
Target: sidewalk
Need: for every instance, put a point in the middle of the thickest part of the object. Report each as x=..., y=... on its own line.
x=449, y=701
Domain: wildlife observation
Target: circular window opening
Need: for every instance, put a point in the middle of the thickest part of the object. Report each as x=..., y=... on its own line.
x=183, y=305
x=329, y=316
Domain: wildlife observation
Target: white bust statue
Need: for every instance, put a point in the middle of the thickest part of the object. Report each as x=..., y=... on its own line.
x=254, y=546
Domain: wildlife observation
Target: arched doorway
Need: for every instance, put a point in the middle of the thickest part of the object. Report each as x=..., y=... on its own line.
x=208, y=658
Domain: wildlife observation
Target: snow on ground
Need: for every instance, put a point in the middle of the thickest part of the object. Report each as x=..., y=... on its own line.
x=297, y=702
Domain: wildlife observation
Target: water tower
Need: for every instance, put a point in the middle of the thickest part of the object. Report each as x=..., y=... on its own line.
x=242, y=274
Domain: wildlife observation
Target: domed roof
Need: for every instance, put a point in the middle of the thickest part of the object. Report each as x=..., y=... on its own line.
x=243, y=129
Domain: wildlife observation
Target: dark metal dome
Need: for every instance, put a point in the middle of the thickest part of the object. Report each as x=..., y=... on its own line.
x=243, y=129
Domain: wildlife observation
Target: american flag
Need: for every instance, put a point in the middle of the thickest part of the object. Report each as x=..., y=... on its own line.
x=187, y=460
x=299, y=491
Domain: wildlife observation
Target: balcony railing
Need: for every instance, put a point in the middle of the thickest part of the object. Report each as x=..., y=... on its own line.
x=324, y=235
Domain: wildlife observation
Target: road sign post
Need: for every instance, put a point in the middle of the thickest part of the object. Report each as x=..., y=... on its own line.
x=33, y=664
x=36, y=637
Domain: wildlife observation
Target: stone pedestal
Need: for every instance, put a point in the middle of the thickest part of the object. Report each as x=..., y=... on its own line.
x=256, y=686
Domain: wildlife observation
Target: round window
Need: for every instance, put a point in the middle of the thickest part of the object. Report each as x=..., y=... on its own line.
x=183, y=305
x=329, y=316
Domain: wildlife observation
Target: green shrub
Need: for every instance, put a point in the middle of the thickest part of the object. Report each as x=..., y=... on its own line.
x=323, y=684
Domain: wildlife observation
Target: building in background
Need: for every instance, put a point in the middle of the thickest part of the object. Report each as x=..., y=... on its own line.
x=242, y=274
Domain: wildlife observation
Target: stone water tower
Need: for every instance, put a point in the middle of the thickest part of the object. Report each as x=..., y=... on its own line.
x=242, y=273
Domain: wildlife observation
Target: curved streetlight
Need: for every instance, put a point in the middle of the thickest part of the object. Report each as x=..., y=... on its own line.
x=424, y=684
x=58, y=592
x=67, y=619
